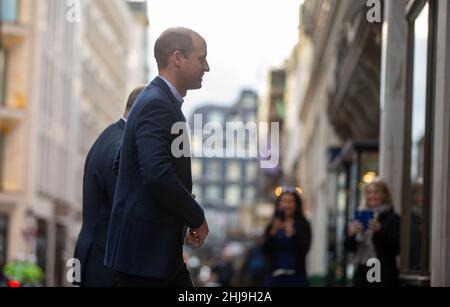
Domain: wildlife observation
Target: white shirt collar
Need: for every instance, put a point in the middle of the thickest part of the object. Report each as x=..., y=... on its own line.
x=174, y=91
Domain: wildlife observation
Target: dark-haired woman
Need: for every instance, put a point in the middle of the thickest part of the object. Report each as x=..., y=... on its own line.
x=286, y=243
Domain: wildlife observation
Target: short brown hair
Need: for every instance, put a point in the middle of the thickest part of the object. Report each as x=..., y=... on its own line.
x=132, y=97
x=171, y=40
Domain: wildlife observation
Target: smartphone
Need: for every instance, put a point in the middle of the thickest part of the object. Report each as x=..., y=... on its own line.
x=364, y=217
x=280, y=214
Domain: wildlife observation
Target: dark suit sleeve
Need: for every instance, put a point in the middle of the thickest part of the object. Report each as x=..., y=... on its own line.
x=116, y=163
x=153, y=140
x=110, y=175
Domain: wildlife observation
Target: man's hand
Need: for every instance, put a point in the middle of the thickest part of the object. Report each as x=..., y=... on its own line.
x=196, y=237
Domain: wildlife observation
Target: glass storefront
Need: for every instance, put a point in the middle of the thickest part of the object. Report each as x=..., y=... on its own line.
x=355, y=166
x=417, y=185
x=42, y=244
x=418, y=134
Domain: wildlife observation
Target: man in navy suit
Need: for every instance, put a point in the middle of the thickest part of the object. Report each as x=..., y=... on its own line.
x=99, y=184
x=153, y=204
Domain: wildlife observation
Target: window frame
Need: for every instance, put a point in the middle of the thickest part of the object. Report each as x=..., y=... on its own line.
x=407, y=276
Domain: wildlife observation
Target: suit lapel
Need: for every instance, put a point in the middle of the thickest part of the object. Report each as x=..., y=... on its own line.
x=121, y=124
x=161, y=84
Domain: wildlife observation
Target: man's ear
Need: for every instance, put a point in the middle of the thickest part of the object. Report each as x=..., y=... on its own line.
x=177, y=58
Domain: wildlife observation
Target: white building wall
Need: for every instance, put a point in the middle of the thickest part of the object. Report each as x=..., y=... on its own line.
x=317, y=137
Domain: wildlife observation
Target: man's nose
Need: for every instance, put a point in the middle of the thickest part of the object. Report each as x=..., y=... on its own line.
x=206, y=68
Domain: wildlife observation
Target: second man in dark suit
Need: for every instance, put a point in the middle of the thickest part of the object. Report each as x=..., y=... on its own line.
x=99, y=184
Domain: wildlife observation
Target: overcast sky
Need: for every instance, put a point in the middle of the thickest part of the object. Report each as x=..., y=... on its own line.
x=245, y=39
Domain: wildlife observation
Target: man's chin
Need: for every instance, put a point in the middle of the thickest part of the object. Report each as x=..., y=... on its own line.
x=196, y=87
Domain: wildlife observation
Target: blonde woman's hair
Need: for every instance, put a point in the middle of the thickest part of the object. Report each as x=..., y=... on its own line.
x=381, y=185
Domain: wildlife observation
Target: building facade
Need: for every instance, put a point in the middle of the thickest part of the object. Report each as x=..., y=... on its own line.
x=227, y=186
x=415, y=113
x=272, y=109
x=16, y=44
x=39, y=103
x=375, y=103
x=63, y=81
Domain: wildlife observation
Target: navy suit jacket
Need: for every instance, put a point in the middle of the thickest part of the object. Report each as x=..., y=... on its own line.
x=153, y=205
x=99, y=184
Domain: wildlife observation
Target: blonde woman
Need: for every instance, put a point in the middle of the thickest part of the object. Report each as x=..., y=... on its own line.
x=381, y=238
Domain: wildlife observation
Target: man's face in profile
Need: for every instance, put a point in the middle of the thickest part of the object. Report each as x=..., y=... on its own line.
x=195, y=64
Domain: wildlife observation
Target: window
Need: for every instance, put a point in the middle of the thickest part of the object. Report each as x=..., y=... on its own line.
x=252, y=118
x=251, y=171
x=249, y=100
x=197, y=144
x=213, y=193
x=216, y=117
x=2, y=76
x=233, y=170
x=418, y=119
x=214, y=169
x=196, y=168
x=250, y=194
x=233, y=195
x=416, y=217
x=9, y=10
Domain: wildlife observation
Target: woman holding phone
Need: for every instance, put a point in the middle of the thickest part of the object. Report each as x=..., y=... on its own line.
x=377, y=236
x=286, y=242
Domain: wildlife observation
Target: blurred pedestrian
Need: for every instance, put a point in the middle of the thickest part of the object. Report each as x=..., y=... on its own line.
x=286, y=243
x=253, y=268
x=223, y=271
x=380, y=238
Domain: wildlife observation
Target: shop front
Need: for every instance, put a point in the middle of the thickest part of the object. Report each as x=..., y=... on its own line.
x=355, y=165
